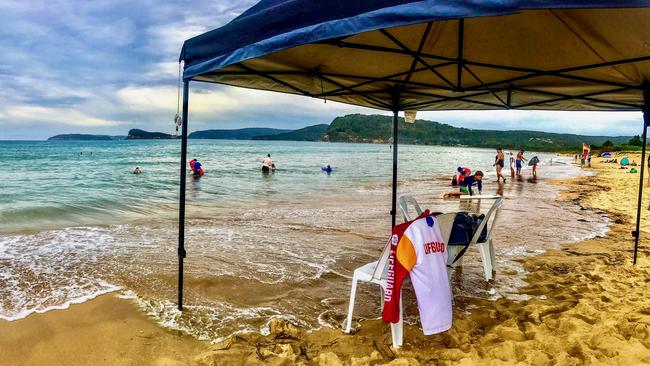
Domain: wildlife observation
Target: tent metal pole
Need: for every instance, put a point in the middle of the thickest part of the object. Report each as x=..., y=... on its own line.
x=459, y=70
x=181, y=208
x=646, y=122
x=393, y=210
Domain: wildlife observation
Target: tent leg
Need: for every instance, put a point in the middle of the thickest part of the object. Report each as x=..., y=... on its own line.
x=646, y=122
x=181, y=208
x=393, y=210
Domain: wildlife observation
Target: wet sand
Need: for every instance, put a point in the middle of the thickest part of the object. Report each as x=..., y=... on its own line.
x=583, y=303
x=107, y=330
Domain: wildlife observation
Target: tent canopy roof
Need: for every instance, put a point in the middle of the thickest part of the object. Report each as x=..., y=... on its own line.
x=432, y=55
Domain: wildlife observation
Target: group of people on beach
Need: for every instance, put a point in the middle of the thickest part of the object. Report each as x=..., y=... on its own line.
x=499, y=163
x=465, y=180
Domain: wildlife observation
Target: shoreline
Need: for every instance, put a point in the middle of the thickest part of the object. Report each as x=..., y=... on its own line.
x=586, y=305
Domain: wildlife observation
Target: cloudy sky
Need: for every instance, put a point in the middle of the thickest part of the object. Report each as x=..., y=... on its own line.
x=107, y=66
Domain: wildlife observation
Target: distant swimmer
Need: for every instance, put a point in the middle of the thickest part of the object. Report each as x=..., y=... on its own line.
x=499, y=163
x=267, y=164
x=137, y=170
x=197, y=168
x=327, y=170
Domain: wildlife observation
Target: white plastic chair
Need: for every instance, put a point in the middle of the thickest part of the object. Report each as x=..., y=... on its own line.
x=485, y=247
x=375, y=272
x=404, y=202
x=445, y=221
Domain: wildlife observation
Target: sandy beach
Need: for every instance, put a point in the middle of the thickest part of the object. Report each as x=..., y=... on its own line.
x=584, y=304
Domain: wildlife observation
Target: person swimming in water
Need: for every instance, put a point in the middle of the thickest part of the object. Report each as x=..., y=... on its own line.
x=137, y=170
x=499, y=163
x=327, y=170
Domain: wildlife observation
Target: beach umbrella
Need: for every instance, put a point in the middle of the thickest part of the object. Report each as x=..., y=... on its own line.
x=398, y=55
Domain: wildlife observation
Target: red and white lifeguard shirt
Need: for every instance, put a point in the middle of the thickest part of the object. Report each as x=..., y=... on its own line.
x=418, y=251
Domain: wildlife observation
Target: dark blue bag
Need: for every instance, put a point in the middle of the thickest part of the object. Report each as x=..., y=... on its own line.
x=463, y=229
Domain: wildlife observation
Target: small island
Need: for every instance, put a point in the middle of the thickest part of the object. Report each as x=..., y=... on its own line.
x=137, y=134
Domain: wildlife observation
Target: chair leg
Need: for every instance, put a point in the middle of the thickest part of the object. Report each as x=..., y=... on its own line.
x=353, y=293
x=493, y=255
x=453, y=251
x=484, y=249
x=397, y=329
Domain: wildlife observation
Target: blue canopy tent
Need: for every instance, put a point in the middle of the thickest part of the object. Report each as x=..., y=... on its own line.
x=399, y=55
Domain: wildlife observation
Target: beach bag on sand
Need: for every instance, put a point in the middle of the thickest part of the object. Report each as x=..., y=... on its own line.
x=462, y=232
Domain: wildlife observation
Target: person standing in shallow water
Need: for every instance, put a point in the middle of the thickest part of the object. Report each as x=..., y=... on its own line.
x=499, y=163
x=267, y=164
x=512, y=167
x=519, y=161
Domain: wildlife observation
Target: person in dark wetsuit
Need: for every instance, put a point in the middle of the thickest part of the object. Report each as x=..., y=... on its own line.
x=499, y=163
x=468, y=182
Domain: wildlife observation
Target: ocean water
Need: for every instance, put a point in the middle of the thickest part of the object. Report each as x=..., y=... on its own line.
x=75, y=223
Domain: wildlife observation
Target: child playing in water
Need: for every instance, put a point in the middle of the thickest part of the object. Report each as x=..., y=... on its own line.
x=462, y=174
x=512, y=162
x=519, y=161
x=466, y=185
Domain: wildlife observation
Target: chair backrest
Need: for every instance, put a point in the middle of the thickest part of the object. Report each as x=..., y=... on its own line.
x=492, y=213
x=404, y=202
x=445, y=222
x=381, y=268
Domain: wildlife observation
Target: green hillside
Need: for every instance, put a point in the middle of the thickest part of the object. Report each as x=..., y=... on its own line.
x=137, y=134
x=378, y=129
x=309, y=133
x=79, y=137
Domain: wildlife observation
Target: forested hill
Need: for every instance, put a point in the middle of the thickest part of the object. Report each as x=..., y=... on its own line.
x=310, y=133
x=378, y=129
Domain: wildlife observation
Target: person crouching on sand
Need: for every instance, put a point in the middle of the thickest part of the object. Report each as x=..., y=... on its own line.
x=462, y=174
x=499, y=163
x=468, y=182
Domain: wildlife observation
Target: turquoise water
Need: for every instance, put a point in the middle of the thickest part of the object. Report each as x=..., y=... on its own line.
x=75, y=223
x=53, y=184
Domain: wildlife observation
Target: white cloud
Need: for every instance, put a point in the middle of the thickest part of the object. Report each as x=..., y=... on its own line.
x=209, y=99
x=584, y=123
x=52, y=115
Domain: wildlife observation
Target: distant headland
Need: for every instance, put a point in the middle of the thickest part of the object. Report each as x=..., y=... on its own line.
x=360, y=128
x=137, y=134
x=84, y=137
